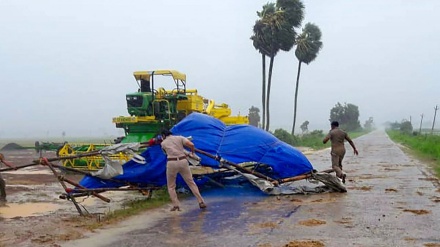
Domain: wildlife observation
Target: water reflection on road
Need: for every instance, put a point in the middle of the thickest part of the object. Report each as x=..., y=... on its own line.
x=234, y=217
x=392, y=200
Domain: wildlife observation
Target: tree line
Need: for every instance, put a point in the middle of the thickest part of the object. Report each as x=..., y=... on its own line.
x=346, y=114
x=406, y=125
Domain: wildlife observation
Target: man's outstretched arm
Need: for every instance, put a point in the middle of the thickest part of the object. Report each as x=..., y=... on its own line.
x=352, y=145
x=326, y=139
x=190, y=145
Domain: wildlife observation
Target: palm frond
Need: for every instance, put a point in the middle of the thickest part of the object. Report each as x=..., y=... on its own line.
x=308, y=43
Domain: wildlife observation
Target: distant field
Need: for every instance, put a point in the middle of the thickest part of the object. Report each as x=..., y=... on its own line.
x=30, y=142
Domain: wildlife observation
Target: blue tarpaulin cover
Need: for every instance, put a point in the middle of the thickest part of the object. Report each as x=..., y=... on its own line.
x=235, y=143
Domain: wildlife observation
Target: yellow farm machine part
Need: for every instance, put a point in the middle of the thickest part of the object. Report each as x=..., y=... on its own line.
x=90, y=163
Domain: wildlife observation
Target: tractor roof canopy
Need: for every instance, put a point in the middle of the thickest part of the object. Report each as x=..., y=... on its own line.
x=147, y=74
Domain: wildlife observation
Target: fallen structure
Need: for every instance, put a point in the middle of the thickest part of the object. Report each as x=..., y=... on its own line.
x=227, y=153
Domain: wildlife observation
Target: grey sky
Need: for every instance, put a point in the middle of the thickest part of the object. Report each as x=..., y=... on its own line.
x=67, y=65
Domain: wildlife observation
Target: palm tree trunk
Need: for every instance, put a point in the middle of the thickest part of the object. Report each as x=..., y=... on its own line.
x=269, y=82
x=263, y=91
x=296, y=97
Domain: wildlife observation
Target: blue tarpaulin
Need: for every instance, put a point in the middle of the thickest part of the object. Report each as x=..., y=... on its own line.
x=235, y=143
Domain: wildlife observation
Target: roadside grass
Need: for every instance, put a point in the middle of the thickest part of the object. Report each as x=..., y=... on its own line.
x=425, y=146
x=131, y=208
x=158, y=199
x=312, y=140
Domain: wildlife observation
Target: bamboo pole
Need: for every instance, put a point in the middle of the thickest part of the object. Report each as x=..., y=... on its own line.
x=65, y=197
x=301, y=177
x=16, y=167
x=257, y=174
x=82, y=187
x=46, y=162
x=115, y=189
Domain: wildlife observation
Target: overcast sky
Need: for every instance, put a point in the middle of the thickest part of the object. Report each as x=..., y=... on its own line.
x=67, y=65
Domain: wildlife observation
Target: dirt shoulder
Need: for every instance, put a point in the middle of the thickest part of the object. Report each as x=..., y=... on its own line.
x=36, y=216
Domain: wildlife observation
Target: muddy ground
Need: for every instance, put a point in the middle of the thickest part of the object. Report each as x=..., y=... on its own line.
x=35, y=215
x=392, y=200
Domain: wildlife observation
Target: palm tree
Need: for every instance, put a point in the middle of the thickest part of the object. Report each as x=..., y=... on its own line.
x=260, y=45
x=261, y=41
x=275, y=26
x=308, y=45
x=274, y=31
x=294, y=11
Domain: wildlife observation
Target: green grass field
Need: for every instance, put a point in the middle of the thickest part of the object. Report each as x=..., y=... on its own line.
x=425, y=146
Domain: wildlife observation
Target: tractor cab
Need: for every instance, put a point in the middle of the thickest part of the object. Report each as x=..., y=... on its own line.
x=152, y=99
x=153, y=107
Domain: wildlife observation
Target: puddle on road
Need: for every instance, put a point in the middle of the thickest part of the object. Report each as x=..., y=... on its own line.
x=13, y=210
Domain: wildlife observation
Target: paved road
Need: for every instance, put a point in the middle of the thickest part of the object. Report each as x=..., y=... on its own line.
x=392, y=201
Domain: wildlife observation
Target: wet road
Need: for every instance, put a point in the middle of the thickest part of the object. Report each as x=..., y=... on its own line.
x=392, y=201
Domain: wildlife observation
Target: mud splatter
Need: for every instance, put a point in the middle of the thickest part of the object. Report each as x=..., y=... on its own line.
x=384, y=164
x=390, y=190
x=370, y=176
x=417, y=211
x=312, y=222
x=435, y=198
x=431, y=245
x=391, y=169
x=296, y=200
x=49, y=238
x=344, y=221
x=364, y=188
x=305, y=243
x=264, y=245
x=267, y=225
x=429, y=179
x=318, y=200
x=409, y=239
